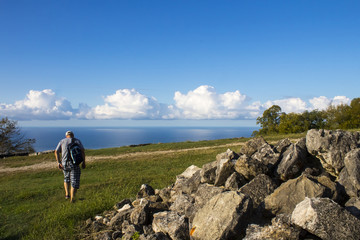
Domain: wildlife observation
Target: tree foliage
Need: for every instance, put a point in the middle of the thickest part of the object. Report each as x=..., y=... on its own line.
x=12, y=141
x=335, y=117
x=270, y=120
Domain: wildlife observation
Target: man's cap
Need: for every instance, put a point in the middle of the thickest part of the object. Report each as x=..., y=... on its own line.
x=69, y=133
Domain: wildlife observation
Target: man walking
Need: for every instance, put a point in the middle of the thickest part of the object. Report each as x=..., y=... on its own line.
x=71, y=171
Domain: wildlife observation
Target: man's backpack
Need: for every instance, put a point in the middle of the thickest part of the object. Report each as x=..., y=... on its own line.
x=75, y=152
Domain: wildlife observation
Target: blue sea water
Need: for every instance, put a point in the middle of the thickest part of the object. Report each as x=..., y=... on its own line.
x=107, y=137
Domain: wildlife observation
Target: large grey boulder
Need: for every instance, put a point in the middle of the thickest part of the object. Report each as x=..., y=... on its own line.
x=223, y=217
x=258, y=188
x=331, y=147
x=145, y=191
x=249, y=167
x=292, y=160
x=188, y=181
x=204, y=193
x=208, y=172
x=183, y=205
x=280, y=229
x=326, y=219
x=225, y=166
x=289, y=194
x=122, y=215
x=282, y=145
x=235, y=181
x=251, y=146
x=171, y=223
x=350, y=175
x=229, y=155
x=141, y=213
x=266, y=155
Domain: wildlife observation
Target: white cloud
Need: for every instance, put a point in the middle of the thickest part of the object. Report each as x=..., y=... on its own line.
x=38, y=105
x=288, y=105
x=205, y=103
x=339, y=100
x=201, y=103
x=322, y=103
x=125, y=104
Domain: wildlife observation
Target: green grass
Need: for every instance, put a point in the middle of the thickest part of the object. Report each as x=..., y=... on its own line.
x=32, y=204
x=20, y=161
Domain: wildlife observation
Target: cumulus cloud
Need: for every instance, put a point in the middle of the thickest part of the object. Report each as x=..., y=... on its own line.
x=125, y=104
x=288, y=105
x=205, y=103
x=322, y=103
x=38, y=105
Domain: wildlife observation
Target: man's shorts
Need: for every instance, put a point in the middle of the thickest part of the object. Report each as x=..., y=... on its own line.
x=73, y=175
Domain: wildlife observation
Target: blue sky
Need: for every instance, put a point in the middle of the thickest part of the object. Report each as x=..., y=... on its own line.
x=174, y=62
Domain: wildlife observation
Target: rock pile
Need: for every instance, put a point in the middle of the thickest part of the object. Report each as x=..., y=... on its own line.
x=304, y=190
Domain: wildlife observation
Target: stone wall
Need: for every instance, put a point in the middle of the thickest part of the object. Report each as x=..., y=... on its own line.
x=304, y=190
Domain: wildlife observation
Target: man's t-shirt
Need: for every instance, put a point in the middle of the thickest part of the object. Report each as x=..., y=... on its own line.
x=62, y=148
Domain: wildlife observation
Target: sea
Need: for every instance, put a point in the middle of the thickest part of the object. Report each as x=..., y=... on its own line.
x=108, y=137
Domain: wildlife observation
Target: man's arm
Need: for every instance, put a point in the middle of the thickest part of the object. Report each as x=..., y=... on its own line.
x=57, y=157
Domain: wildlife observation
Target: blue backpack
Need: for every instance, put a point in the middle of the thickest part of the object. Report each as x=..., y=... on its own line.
x=75, y=152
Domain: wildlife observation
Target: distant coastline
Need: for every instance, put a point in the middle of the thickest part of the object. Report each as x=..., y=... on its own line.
x=107, y=137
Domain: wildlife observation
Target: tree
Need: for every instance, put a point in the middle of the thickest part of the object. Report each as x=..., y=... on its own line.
x=270, y=120
x=355, y=113
x=12, y=141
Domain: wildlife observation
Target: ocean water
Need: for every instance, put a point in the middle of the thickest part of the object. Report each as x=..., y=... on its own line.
x=106, y=137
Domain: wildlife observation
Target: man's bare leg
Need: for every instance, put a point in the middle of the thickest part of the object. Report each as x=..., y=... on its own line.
x=67, y=188
x=72, y=194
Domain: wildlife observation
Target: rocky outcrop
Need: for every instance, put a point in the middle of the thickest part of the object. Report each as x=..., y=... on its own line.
x=223, y=217
x=284, y=199
x=350, y=175
x=331, y=147
x=292, y=160
x=304, y=190
x=326, y=219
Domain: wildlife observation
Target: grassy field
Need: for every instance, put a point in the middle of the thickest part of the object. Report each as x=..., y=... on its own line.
x=32, y=203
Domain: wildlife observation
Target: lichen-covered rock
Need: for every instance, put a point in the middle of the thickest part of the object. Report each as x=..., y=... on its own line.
x=251, y=146
x=204, y=193
x=235, y=181
x=183, y=205
x=292, y=161
x=188, y=181
x=266, y=155
x=249, y=167
x=331, y=147
x=145, y=191
x=282, y=145
x=122, y=203
x=229, y=155
x=120, y=217
x=326, y=219
x=141, y=213
x=280, y=229
x=224, y=216
x=289, y=194
x=258, y=188
x=208, y=172
x=225, y=167
x=350, y=175
x=171, y=223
